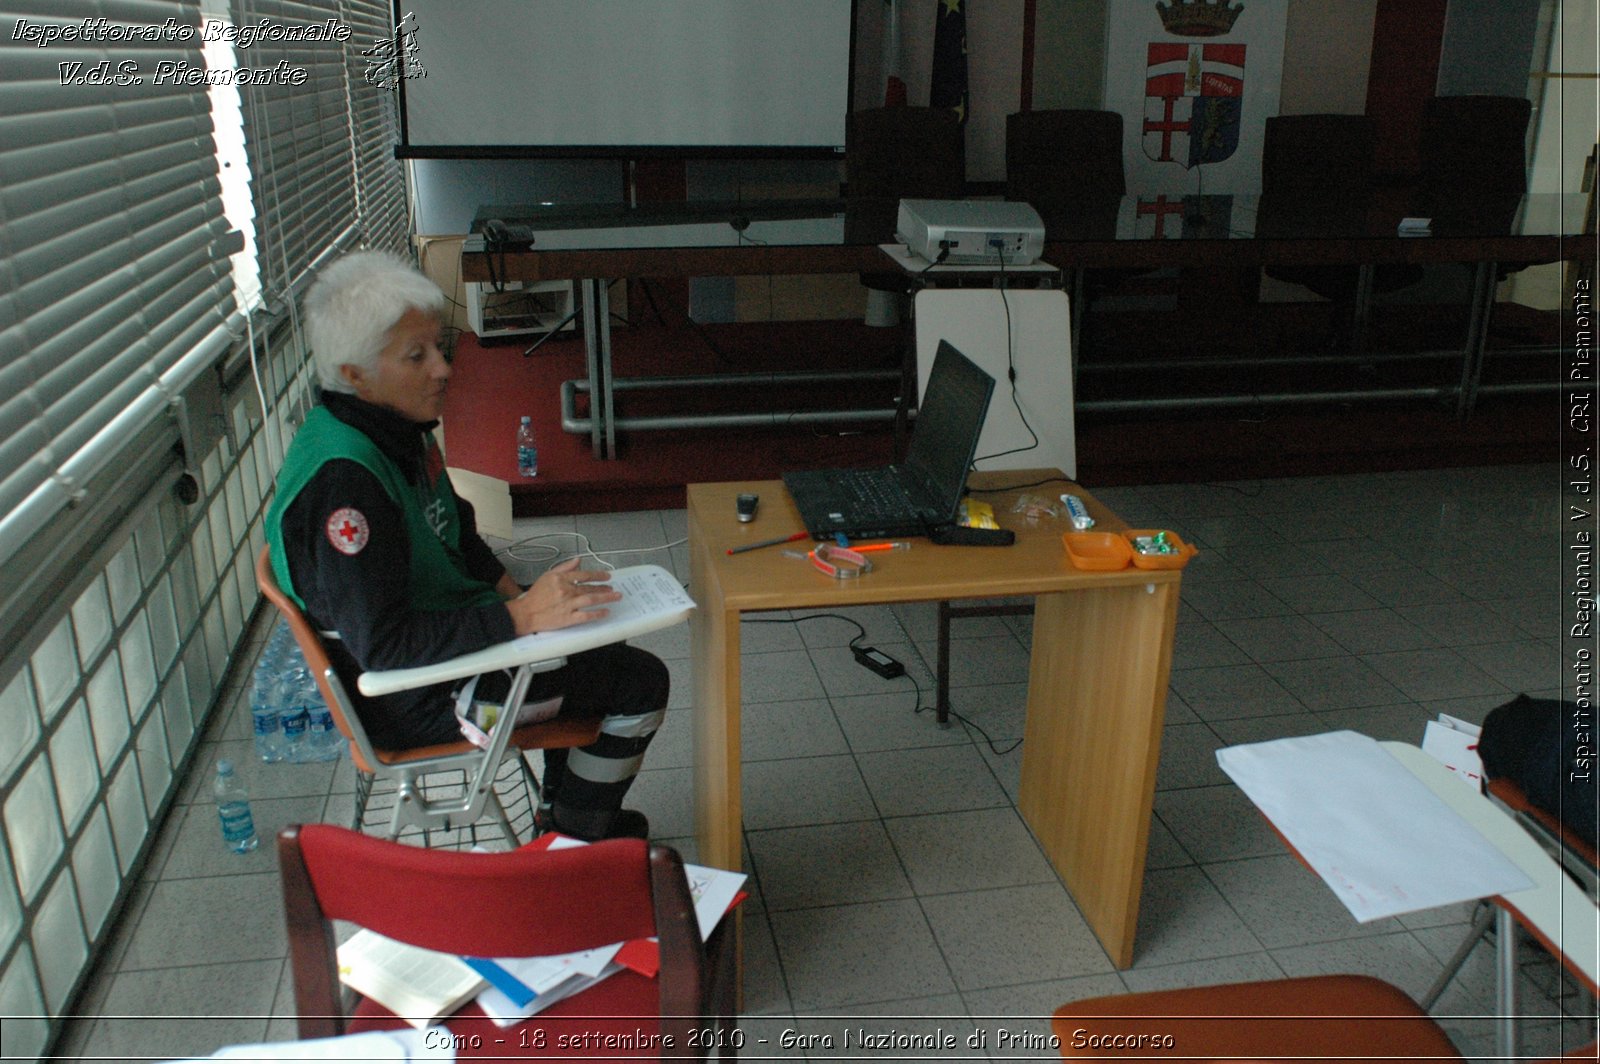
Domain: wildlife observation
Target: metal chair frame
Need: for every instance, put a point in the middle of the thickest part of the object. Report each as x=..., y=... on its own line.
x=419, y=804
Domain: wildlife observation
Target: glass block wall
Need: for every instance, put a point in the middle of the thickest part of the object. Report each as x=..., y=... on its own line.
x=101, y=718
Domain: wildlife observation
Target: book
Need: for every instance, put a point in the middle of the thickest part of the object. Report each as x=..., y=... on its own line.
x=417, y=984
x=652, y=598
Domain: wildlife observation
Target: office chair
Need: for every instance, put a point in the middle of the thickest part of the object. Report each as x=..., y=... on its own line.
x=420, y=802
x=1054, y=158
x=525, y=903
x=895, y=153
x=1316, y=179
x=1473, y=153
x=1067, y=164
x=1473, y=147
x=899, y=152
x=1569, y=848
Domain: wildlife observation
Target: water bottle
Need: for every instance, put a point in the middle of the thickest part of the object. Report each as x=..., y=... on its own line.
x=327, y=743
x=266, y=718
x=527, y=449
x=233, y=809
x=296, y=715
x=323, y=741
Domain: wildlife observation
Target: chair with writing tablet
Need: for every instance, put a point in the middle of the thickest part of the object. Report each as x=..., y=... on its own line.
x=447, y=786
x=1575, y=855
x=530, y=902
x=1346, y=1017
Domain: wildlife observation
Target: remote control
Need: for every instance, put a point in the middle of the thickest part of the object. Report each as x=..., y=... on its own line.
x=962, y=536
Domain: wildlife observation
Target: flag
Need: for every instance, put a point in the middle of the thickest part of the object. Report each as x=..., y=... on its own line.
x=894, y=85
x=949, y=84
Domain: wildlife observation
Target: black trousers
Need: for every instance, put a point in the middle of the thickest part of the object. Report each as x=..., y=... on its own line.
x=623, y=686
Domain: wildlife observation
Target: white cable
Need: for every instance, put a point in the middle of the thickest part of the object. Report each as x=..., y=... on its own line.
x=548, y=552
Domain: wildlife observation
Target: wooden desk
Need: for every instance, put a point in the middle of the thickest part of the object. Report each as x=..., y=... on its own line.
x=1097, y=682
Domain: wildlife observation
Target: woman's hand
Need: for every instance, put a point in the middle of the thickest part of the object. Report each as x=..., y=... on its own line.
x=564, y=596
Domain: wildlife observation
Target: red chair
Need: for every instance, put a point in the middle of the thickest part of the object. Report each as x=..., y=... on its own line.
x=526, y=902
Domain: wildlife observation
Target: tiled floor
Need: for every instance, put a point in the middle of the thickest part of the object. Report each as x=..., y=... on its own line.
x=894, y=878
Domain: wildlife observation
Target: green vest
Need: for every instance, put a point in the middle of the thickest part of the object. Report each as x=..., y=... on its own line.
x=439, y=577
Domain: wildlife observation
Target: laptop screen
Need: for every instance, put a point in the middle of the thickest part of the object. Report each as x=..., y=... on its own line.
x=949, y=420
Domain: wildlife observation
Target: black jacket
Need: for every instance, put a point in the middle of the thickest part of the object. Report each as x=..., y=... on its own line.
x=363, y=596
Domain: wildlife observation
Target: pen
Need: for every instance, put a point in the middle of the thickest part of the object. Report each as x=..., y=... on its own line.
x=864, y=547
x=767, y=543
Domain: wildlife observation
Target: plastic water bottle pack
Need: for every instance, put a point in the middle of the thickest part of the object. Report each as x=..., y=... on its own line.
x=290, y=719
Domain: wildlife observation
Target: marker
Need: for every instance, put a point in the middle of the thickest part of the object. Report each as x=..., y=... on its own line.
x=768, y=543
x=864, y=547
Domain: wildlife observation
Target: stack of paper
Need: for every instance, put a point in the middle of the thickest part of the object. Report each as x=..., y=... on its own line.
x=1373, y=831
x=519, y=987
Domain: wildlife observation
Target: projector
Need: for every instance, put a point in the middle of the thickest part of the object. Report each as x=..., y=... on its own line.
x=971, y=232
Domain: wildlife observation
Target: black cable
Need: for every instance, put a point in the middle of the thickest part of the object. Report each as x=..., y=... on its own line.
x=1011, y=371
x=1017, y=487
x=861, y=633
x=944, y=253
x=987, y=738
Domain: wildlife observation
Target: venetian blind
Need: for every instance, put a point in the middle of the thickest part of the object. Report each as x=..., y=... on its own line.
x=375, y=126
x=297, y=136
x=113, y=263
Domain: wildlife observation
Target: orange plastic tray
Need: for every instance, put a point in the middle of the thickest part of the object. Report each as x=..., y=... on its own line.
x=1177, y=560
x=1097, y=550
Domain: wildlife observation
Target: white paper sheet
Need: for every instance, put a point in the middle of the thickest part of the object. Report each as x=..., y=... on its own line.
x=1375, y=833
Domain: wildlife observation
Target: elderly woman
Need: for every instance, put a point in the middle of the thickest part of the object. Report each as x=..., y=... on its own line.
x=367, y=534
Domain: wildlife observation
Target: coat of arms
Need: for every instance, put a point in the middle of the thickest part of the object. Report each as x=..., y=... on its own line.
x=1194, y=95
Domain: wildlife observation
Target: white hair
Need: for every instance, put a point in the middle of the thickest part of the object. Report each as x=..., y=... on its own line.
x=352, y=306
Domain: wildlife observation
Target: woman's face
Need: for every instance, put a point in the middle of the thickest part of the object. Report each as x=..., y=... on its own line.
x=411, y=372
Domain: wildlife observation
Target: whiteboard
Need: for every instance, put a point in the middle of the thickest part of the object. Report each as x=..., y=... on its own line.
x=999, y=329
x=584, y=76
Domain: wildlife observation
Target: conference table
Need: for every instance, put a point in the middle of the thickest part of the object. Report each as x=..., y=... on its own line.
x=1097, y=683
x=594, y=244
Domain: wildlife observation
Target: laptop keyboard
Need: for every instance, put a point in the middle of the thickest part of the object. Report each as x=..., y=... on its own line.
x=873, y=495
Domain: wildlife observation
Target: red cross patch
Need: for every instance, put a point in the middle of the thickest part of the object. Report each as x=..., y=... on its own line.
x=347, y=530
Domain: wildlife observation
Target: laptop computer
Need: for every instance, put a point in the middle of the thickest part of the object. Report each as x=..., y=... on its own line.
x=913, y=498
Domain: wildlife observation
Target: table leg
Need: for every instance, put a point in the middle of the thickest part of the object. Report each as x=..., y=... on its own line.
x=608, y=410
x=591, y=349
x=1363, y=308
x=1483, y=286
x=1075, y=312
x=718, y=810
x=1505, y=955
x=1097, y=689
